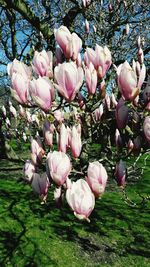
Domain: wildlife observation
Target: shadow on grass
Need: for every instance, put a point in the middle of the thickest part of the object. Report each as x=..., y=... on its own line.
x=107, y=220
x=30, y=232
x=15, y=240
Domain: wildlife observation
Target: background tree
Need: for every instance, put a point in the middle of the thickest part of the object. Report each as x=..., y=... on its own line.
x=27, y=26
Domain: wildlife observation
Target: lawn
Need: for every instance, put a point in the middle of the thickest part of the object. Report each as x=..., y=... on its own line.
x=32, y=234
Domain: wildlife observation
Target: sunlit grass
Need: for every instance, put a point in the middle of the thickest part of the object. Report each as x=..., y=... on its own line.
x=32, y=234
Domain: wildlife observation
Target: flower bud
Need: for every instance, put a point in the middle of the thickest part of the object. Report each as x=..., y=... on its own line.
x=120, y=173
x=40, y=185
x=96, y=178
x=146, y=128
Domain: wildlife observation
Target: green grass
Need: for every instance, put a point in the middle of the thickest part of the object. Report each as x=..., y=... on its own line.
x=32, y=234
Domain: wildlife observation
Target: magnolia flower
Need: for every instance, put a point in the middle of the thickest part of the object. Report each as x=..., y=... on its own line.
x=139, y=41
x=20, y=88
x=98, y=113
x=43, y=63
x=63, y=138
x=29, y=170
x=69, y=79
x=91, y=79
x=70, y=44
x=48, y=131
x=81, y=199
x=13, y=111
x=59, y=115
x=40, y=185
x=118, y=139
x=37, y=151
x=96, y=178
x=148, y=106
x=58, y=167
x=121, y=114
x=86, y=3
x=19, y=68
x=120, y=173
x=107, y=101
x=130, y=145
x=128, y=81
x=75, y=141
x=42, y=91
x=100, y=58
x=79, y=60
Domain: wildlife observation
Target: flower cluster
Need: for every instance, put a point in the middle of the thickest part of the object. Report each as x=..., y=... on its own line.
x=62, y=86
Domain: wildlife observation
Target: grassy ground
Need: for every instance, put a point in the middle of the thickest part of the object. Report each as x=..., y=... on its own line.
x=32, y=234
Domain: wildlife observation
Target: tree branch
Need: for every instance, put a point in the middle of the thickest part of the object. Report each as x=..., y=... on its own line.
x=24, y=9
x=12, y=19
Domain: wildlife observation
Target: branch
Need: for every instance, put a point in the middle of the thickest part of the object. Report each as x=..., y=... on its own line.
x=71, y=15
x=12, y=19
x=24, y=9
x=25, y=46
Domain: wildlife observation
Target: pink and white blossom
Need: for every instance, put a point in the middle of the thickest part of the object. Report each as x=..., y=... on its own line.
x=128, y=82
x=40, y=185
x=81, y=199
x=29, y=170
x=20, y=87
x=48, y=132
x=37, y=151
x=96, y=178
x=75, y=141
x=43, y=63
x=69, y=79
x=42, y=92
x=91, y=79
x=58, y=167
x=70, y=44
x=100, y=58
x=20, y=68
x=63, y=138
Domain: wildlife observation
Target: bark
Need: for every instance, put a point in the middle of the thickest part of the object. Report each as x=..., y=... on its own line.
x=2, y=145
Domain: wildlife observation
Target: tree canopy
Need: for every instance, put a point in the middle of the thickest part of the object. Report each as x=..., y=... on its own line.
x=88, y=89
x=29, y=25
